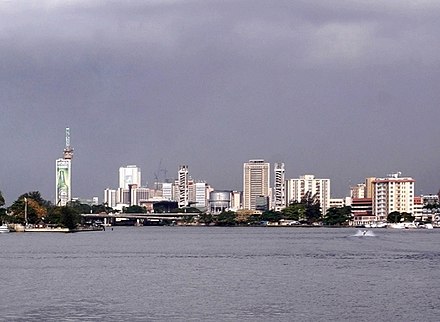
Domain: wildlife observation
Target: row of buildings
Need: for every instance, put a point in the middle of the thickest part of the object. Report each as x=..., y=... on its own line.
x=183, y=192
x=371, y=200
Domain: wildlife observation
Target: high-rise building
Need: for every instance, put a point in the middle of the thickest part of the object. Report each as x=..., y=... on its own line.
x=183, y=178
x=369, y=189
x=358, y=191
x=63, y=182
x=123, y=196
x=63, y=174
x=130, y=174
x=235, y=200
x=167, y=191
x=319, y=189
x=110, y=197
x=256, y=182
x=279, y=187
x=201, y=195
x=139, y=195
x=393, y=193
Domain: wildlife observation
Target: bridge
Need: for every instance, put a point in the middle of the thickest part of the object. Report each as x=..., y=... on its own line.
x=138, y=218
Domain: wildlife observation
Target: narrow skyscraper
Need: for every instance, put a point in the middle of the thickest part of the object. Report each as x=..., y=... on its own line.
x=183, y=178
x=63, y=176
x=279, y=187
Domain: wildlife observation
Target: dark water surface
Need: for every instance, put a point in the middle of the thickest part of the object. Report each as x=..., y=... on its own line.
x=221, y=274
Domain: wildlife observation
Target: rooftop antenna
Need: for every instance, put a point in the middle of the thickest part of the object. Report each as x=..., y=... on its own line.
x=395, y=175
x=68, y=150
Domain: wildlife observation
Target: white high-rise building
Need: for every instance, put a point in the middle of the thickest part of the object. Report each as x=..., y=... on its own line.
x=129, y=175
x=183, y=178
x=63, y=176
x=123, y=196
x=201, y=196
x=235, y=200
x=167, y=191
x=256, y=182
x=319, y=189
x=393, y=193
x=63, y=181
x=279, y=187
x=110, y=197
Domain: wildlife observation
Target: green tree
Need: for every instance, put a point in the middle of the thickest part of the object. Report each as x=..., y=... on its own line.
x=2, y=200
x=294, y=211
x=394, y=217
x=104, y=208
x=337, y=216
x=3, y=216
x=53, y=215
x=226, y=218
x=312, y=207
x=432, y=206
x=36, y=208
x=135, y=209
x=69, y=217
x=269, y=215
x=206, y=219
x=80, y=207
x=187, y=219
x=408, y=217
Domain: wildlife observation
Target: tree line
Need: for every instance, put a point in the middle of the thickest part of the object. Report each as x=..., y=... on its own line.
x=41, y=211
x=32, y=208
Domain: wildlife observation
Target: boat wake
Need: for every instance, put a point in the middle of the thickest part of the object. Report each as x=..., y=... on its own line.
x=364, y=233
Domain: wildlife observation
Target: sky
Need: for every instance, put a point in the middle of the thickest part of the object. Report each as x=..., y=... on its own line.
x=340, y=89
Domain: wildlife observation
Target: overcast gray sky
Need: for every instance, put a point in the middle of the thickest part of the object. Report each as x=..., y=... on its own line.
x=339, y=89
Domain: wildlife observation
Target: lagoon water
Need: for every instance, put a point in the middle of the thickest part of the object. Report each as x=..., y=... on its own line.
x=221, y=274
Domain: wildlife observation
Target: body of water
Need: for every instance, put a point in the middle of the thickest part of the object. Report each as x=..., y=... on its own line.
x=221, y=274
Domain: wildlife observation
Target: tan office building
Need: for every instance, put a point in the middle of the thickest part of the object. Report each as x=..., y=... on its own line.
x=256, y=182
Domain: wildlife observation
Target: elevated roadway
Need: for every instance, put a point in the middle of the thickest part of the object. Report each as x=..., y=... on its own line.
x=112, y=218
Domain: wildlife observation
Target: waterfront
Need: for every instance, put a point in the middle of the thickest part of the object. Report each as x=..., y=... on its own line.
x=221, y=274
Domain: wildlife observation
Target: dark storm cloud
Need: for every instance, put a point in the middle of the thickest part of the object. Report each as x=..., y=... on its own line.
x=341, y=89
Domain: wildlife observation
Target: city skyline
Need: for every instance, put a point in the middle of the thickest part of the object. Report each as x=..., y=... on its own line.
x=175, y=177
x=134, y=173
x=340, y=90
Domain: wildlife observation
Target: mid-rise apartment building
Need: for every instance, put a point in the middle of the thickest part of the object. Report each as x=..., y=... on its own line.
x=319, y=189
x=393, y=193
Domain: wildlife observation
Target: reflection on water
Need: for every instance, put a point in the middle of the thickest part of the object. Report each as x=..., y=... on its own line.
x=221, y=274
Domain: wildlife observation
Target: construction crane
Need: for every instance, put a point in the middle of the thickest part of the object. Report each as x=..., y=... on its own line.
x=158, y=178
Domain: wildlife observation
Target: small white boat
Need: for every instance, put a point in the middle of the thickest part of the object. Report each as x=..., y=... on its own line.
x=399, y=225
x=4, y=229
x=376, y=224
x=426, y=226
x=403, y=225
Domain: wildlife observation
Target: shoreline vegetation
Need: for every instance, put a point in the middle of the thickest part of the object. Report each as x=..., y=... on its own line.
x=31, y=213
